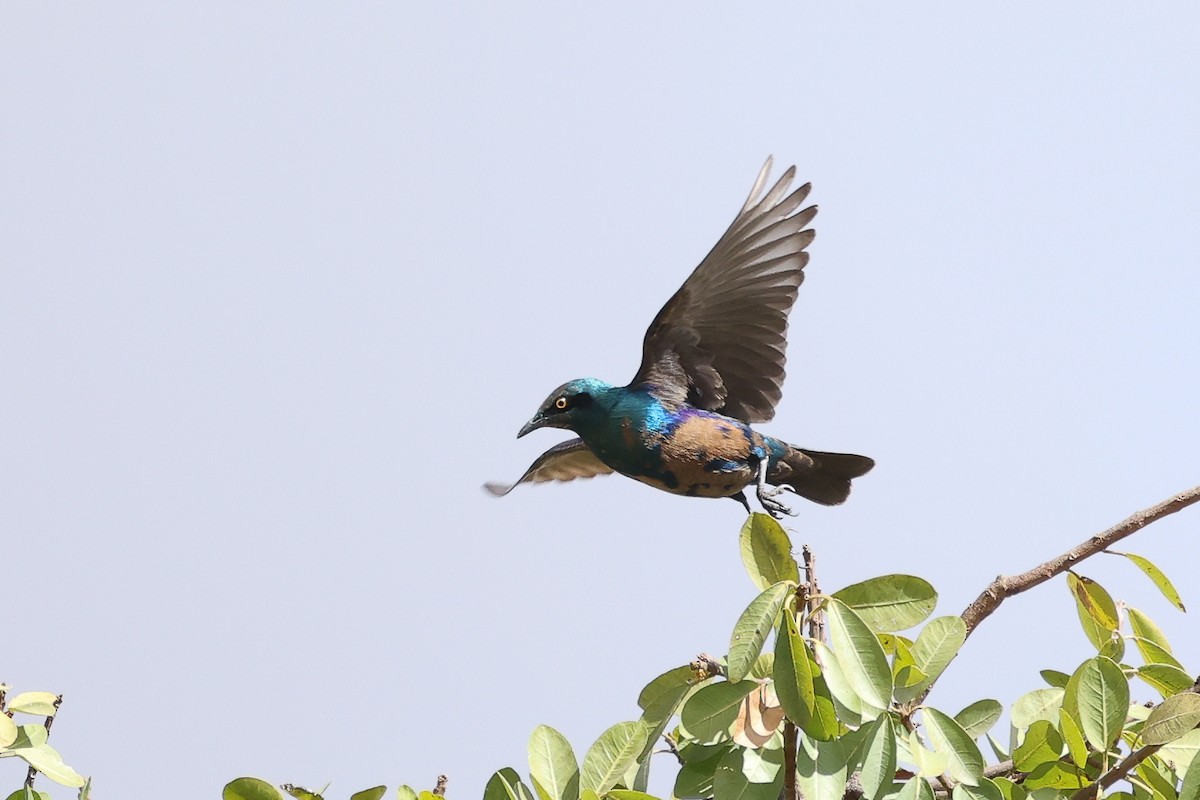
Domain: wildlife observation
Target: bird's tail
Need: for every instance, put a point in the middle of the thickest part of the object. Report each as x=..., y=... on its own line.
x=823, y=477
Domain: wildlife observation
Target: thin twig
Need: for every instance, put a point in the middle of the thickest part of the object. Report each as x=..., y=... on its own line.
x=1002, y=588
x=440, y=789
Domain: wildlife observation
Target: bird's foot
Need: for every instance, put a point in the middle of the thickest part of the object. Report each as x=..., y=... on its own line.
x=774, y=507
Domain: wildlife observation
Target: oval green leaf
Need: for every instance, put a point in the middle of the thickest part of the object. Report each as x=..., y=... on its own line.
x=406, y=792
x=752, y=628
x=662, y=696
x=1055, y=678
x=979, y=717
x=249, y=789
x=890, y=602
x=1042, y=745
x=1190, y=790
x=552, y=765
x=505, y=784
x=947, y=736
x=708, y=714
x=1096, y=609
x=1035, y=705
x=821, y=770
x=1172, y=719
x=860, y=656
x=846, y=703
x=936, y=646
x=767, y=552
x=8, y=731
x=1073, y=736
x=749, y=775
x=38, y=703
x=986, y=790
x=879, y=757
x=607, y=759
x=374, y=793
x=1159, y=578
x=801, y=688
x=1145, y=628
x=1102, y=698
x=1167, y=679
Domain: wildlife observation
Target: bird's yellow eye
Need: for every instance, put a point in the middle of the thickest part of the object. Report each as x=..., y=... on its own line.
x=560, y=403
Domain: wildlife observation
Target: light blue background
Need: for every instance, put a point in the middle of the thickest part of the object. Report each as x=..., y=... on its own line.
x=280, y=281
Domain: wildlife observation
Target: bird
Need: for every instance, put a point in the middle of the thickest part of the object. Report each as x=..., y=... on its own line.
x=712, y=366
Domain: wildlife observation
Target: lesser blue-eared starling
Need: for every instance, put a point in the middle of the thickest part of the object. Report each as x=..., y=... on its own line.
x=712, y=362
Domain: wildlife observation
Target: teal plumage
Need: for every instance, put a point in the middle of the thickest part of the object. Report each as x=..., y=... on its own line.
x=712, y=364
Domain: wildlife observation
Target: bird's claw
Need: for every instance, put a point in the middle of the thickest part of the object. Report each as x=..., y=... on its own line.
x=774, y=507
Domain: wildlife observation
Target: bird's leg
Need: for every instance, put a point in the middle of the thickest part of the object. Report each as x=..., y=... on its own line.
x=767, y=496
x=741, y=498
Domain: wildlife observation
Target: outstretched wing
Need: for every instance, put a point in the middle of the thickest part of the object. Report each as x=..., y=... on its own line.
x=719, y=342
x=564, y=462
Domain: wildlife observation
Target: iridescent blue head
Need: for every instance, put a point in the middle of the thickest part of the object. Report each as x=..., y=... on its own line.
x=578, y=401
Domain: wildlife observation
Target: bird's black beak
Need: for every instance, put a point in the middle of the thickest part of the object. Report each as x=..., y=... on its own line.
x=538, y=421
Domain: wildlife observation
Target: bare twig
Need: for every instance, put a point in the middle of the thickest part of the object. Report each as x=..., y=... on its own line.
x=705, y=666
x=440, y=789
x=1002, y=588
x=790, y=743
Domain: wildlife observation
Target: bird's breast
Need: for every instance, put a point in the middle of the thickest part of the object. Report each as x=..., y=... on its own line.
x=693, y=452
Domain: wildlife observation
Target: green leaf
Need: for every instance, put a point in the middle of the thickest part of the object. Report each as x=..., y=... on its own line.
x=890, y=602
x=879, y=757
x=946, y=735
x=1042, y=744
x=929, y=763
x=1160, y=580
x=1035, y=705
x=1073, y=736
x=1144, y=628
x=708, y=714
x=1155, y=778
x=1055, y=678
x=607, y=759
x=628, y=794
x=986, y=790
x=1009, y=790
x=505, y=784
x=30, y=745
x=979, y=717
x=1057, y=775
x=821, y=770
x=8, y=731
x=752, y=628
x=249, y=789
x=764, y=666
x=1097, y=611
x=1173, y=718
x=916, y=789
x=767, y=552
x=662, y=696
x=860, y=656
x=935, y=648
x=406, y=792
x=745, y=774
x=375, y=793
x=1166, y=679
x=849, y=706
x=1181, y=752
x=695, y=777
x=799, y=684
x=28, y=793
x=1103, y=701
x=552, y=765
x=1190, y=790
x=38, y=703
x=1153, y=654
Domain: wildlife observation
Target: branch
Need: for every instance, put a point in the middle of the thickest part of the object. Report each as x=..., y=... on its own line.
x=1002, y=588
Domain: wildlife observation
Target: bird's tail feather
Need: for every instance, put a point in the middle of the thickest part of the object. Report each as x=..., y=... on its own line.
x=824, y=477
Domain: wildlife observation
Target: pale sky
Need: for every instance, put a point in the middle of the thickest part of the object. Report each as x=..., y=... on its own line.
x=279, y=282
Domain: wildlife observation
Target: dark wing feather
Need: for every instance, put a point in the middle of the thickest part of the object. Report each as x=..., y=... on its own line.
x=719, y=342
x=564, y=462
